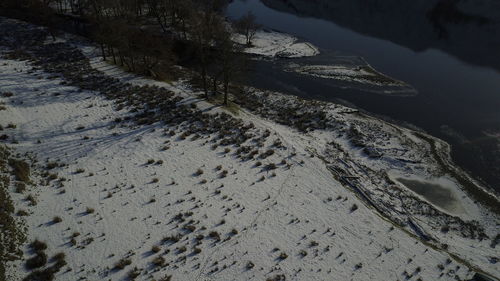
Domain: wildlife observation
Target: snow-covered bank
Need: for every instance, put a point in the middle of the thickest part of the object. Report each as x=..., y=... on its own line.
x=155, y=177
x=361, y=74
x=276, y=44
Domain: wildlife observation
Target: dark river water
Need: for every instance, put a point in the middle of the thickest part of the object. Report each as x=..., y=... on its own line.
x=448, y=50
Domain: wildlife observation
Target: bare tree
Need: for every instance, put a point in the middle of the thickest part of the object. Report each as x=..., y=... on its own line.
x=247, y=26
x=203, y=29
x=230, y=60
x=159, y=9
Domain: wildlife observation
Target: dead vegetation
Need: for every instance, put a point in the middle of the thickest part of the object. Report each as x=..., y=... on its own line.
x=12, y=236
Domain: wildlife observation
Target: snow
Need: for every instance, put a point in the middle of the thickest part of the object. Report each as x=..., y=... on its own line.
x=291, y=208
x=117, y=163
x=276, y=44
x=360, y=74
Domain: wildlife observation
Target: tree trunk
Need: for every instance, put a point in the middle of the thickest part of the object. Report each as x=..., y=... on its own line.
x=226, y=82
x=214, y=90
x=121, y=57
x=184, y=29
x=103, y=52
x=51, y=31
x=113, y=54
x=204, y=79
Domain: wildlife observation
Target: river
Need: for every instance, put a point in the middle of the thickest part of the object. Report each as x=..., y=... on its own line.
x=448, y=50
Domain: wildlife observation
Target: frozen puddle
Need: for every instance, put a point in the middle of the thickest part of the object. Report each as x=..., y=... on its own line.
x=437, y=192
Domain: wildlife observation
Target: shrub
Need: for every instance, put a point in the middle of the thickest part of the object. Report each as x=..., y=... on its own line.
x=215, y=235
x=172, y=238
x=198, y=172
x=196, y=250
x=159, y=261
x=181, y=249
x=155, y=180
x=250, y=265
x=189, y=227
x=51, y=165
x=80, y=170
x=283, y=256
x=270, y=166
x=39, y=260
x=21, y=170
x=41, y=275
x=155, y=249
x=51, y=177
x=150, y=161
x=133, y=273
x=57, y=219
x=38, y=245
x=20, y=187
x=223, y=174
x=303, y=253
x=22, y=213
x=354, y=207
x=59, y=256
x=121, y=264
x=31, y=199
x=445, y=228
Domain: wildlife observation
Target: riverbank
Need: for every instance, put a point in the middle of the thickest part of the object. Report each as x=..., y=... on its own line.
x=457, y=93
x=148, y=180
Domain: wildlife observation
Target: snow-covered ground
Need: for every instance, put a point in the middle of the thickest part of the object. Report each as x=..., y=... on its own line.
x=348, y=73
x=363, y=74
x=276, y=44
x=214, y=215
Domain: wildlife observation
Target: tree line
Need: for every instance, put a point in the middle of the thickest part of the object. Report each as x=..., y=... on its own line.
x=149, y=36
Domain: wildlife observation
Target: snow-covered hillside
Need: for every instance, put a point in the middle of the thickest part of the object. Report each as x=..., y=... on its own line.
x=140, y=179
